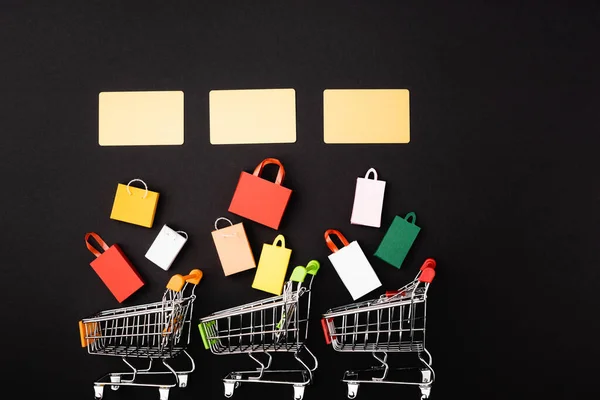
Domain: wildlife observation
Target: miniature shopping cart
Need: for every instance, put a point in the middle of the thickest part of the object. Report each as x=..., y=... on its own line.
x=277, y=324
x=395, y=322
x=156, y=331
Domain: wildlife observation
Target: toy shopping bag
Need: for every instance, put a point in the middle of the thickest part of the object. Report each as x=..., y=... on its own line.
x=166, y=246
x=260, y=200
x=398, y=240
x=233, y=248
x=134, y=205
x=114, y=269
x=352, y=266
x=272, y=267
x=368, y=201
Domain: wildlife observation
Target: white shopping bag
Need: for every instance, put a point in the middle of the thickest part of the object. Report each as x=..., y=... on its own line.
x=368, y=201
x=166, y=247
x=352, y=266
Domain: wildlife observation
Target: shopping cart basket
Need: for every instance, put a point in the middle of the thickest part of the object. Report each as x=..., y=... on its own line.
x=395, y=322
x=156, y=331
x=276, y=324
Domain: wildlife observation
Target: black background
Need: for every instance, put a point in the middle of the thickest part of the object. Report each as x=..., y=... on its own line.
x=501, y=171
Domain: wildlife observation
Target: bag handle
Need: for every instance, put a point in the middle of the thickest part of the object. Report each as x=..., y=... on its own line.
x=279, y=239
x=222, y=219
x=138, y=180
x=98, y=239
x=330, y=243
x=280, y=172
x=414, y=217
x=371, y=170
x=230, y=224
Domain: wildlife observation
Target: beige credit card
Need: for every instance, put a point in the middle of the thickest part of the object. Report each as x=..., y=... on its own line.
x=252, y=116
x=140, y=118
x=366, y=116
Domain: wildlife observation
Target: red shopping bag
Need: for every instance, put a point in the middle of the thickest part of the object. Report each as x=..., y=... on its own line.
x=260, y=200
x=114, y=269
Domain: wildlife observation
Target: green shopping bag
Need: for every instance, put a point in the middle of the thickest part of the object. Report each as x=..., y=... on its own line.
x=398, y=240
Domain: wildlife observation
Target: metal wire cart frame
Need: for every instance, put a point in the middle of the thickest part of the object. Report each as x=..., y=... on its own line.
x=155, y=331
x=276, y=324
x=395, y=322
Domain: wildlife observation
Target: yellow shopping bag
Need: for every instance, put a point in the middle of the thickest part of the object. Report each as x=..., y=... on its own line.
x=134, y=205
x=272, y=267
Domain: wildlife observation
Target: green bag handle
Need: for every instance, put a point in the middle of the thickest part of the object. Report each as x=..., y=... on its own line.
x=300, y=272
x=414, y=217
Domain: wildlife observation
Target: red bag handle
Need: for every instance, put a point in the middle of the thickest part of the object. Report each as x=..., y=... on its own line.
x=280, y=172
x=98, y=239
x=330, y=243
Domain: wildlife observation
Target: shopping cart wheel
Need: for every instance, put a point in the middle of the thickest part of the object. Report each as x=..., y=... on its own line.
x=183, y=378
x=98, y=391
x=298, y=392
x=163, y=393
x=352, y=390
x=115, y=379
x=425, y=391
x=229, y=388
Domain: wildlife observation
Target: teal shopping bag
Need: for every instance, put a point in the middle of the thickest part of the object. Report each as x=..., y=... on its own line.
x=398, y=240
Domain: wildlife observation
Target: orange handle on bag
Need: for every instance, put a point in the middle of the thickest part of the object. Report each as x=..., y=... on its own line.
x=98, y=239
x=330, y=243
x=280, y=172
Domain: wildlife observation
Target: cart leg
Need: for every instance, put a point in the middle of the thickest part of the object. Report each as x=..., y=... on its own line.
x=425, y=391
x=115, y=379
x=163, y=392
x=183, y=378
x=384, y=365
x=229, y=388
x=352, y=390
x=298, y=392
x=98, y=391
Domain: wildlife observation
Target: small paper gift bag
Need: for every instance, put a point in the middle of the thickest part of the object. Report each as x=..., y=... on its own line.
x=272, y=267
x=368, y=201
x=166, y=246
x=398, y=240
x=233, y=248
x=260, y=200
x=114, y=269
x=134, y=205
x=352, y=266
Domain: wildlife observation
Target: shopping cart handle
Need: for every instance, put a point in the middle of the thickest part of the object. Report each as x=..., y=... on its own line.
x=312, y=267
x=194, y=277
x=429, y=263
x=298, y=274
x=427, y=275
x=325, y=331
x=177, y=281
x=392, y=293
